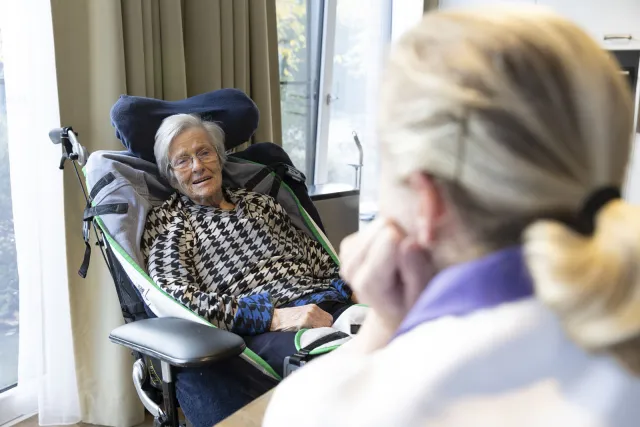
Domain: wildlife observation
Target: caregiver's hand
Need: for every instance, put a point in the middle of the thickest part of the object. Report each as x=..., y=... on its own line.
x=296, y=318
x=386, y=269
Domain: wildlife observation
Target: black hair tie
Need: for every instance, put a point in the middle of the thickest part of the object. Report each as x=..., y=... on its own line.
x=597, y=200
x=585, y=222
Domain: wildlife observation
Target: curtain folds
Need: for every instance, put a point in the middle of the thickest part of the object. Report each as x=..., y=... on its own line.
x=167, y=49
x=176, y=49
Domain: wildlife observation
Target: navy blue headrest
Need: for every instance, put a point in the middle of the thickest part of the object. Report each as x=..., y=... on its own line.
x=137, y=119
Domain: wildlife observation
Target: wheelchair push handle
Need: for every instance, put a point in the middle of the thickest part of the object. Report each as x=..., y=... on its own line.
x=71, y=147
x=55, y=135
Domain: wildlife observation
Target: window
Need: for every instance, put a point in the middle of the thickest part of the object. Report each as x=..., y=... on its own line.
x=361, y=36
x=8, y=266
x=331, y=59
x=299, y=34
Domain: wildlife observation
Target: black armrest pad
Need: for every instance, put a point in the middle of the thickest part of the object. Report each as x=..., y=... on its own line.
x=177, y=341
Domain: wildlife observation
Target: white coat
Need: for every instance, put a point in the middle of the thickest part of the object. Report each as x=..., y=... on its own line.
x=510, y=365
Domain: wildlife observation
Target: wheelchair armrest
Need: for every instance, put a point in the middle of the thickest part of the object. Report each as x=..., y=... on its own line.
x=177, y=341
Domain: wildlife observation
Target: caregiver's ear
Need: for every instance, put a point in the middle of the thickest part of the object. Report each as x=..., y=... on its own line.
x=430, y=207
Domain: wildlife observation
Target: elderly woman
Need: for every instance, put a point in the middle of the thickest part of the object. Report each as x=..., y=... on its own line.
x=503, y=277
x=235, y=258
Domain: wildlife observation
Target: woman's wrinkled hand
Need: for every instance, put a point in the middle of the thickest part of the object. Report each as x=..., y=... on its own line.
x=296, y=318
x=386, y=269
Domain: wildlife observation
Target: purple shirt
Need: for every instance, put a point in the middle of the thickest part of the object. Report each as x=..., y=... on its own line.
x=497, y=278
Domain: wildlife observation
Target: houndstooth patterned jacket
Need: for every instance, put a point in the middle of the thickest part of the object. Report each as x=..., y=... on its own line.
x=234, y=267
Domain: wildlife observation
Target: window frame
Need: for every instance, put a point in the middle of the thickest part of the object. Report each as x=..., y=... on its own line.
x=314, y=56
x=320, y=104
x=321, y=165
x=321, y=169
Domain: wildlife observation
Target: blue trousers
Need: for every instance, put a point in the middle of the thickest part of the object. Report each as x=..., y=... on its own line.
x=209, y=394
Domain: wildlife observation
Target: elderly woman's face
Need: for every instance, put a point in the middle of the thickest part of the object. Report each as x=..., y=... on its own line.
x=196, y=166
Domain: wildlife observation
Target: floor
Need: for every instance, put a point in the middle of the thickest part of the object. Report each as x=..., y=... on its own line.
x=249, y=416
x=33, y=422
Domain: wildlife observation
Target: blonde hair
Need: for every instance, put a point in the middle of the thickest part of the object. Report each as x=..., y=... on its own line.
x=520, y=117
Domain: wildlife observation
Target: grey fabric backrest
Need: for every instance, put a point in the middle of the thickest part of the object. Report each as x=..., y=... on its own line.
x=138, y=183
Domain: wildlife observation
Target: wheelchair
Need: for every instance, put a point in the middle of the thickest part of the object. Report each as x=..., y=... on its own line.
x=122, y=187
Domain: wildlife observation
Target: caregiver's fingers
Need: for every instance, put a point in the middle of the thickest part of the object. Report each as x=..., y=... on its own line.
x=357, y=249
x=378, y=269
x=415, y=269
x=359, y=239
x=376, y=281
x=354, y=247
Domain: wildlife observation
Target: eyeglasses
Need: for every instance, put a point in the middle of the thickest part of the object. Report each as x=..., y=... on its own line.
x=185, y=162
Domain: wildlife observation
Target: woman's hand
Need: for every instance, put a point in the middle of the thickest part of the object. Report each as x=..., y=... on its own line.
x=296, y=318
x=386, y=269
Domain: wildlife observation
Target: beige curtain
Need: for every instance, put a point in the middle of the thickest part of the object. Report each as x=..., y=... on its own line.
x=168, y=49
x=175, y=49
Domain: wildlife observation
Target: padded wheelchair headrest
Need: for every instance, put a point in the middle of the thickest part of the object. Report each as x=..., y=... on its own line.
x=137, y=119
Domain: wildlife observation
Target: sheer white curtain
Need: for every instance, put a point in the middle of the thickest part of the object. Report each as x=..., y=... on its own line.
x=46, y=366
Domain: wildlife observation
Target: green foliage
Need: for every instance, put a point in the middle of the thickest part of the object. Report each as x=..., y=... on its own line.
x=354, y=38
x=291, y=19
x=292, y=51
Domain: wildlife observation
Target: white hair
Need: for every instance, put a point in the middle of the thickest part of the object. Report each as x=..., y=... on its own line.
x=520, y=116
x=173, y=126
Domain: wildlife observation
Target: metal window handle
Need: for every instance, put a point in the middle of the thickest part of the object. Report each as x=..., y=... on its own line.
x=618, y=37
x=359, y=145
x=330, y=98
x=360, y=164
